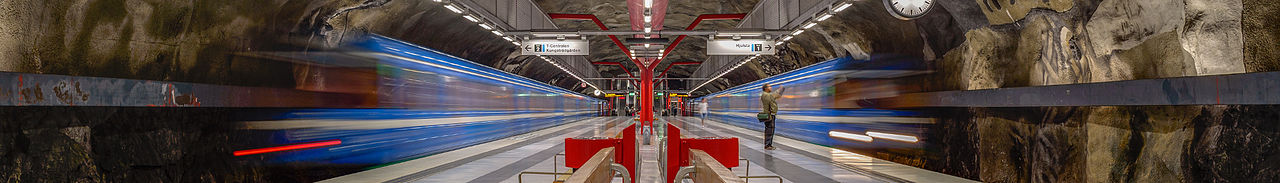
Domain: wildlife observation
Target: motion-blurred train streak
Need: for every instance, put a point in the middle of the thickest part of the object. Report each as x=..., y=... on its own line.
x=831, y=103
x=421, y=102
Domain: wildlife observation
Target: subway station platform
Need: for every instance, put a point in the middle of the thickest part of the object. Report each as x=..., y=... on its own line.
x=578, y=91
x=533, y=156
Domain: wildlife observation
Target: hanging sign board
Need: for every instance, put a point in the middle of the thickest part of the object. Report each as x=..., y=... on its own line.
x=740, y=47
x=555, y=47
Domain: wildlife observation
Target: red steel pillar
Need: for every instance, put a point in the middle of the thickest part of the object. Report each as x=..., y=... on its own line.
x=646, y=97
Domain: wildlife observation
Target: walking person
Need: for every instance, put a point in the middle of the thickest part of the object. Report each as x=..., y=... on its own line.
x=769, y=101
x=702, y=109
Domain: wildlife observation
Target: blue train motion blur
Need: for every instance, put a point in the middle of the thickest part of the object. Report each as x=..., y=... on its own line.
x=427, y=102
x=824, y=104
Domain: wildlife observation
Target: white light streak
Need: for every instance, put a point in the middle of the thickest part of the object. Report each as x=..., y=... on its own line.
x=890, y=136
x=849, y=136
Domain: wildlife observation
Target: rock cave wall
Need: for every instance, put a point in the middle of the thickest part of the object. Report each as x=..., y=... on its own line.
x=193, y=41
x=986, y=44
x=977, y=44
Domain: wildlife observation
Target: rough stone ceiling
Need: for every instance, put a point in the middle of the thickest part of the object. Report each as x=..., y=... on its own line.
x=679, y=14
x=862, y=30
x=1055, y=42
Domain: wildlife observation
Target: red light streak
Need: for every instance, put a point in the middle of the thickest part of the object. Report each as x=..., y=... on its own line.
x=286, y=148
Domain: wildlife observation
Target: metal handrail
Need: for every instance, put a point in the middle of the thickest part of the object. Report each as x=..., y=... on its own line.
x=684, y=173
x=759, y=177
x=520, y=177
x=621, y=170
x=662, y=159
x=748, y=165
x=555, y=162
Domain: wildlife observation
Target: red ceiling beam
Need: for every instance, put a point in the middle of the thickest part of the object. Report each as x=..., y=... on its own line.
x=664, y=71
x=635, y=10
x=695, y=24
x=625, y=51
x=692, y=25
x=624, y=68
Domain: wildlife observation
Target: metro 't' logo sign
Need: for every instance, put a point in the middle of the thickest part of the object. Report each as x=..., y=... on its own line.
x=740, y=47
x=555, y=47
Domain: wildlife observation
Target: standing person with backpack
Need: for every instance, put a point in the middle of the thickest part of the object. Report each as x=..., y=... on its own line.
x=769, y=101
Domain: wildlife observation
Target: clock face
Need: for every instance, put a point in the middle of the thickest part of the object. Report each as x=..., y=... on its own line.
x=908, y=9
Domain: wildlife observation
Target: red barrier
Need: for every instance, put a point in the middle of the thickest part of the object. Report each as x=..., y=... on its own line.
x=724, y=149
x=627, y=154
x=578, y=150
x=675, y=152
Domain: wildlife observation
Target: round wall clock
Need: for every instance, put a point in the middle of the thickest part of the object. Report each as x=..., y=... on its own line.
x=908, y=9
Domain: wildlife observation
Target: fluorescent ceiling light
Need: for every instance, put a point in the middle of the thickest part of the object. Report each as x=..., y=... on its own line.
x=648, y=3
x=486, y=26
x=788, y=38
x=779, y=43
x=508, y=38
x=515, y=43
x=704, y=83
x=824, y=17
x=471, y=18
x=797, y=32
x=806, y=26
x=646, y=45
x=647, y=30
x=842, y=7
x=495, y=32
x=453, y=8
x=648, y=19
x=849, y=136
x=575, y=76
x=890, y=136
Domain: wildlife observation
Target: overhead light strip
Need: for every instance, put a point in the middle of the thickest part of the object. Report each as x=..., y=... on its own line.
x=744, y=61
x=453, y=8
x=822, y=66
x=523, y=82
x=575, y=76
x=476, y=19
x=837, y=7
x=841, y=7
x=499, y=33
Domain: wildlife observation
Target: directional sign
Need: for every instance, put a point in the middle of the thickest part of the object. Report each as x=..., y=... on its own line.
x=740, y=47
x=555, y=47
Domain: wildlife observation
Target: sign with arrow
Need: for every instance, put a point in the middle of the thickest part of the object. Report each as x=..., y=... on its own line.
x=740, y=47
x=555, y=47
